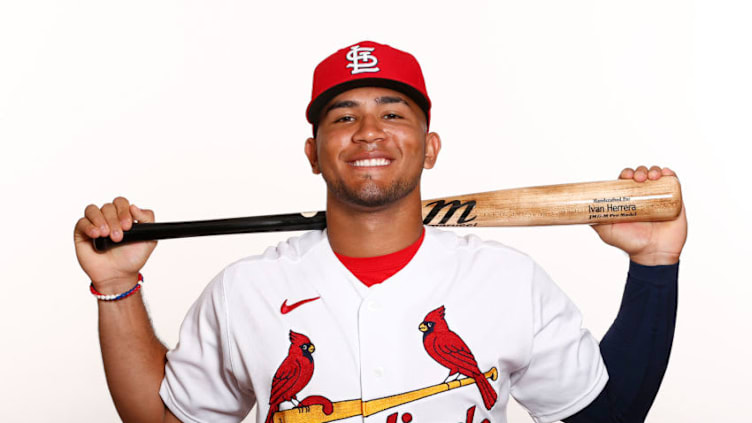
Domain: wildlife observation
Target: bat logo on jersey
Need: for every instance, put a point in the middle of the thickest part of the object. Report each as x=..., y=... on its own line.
x=449, y=350
x=317, y=409
x=443, y=345
x=361, y=60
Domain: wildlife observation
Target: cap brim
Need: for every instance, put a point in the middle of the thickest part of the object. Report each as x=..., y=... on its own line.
x=313, y=114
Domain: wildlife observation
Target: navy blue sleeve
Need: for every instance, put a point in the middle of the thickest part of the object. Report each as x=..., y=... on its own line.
x=637, y=346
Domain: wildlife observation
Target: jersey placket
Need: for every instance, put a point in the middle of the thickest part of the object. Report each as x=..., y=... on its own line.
x=389, y=340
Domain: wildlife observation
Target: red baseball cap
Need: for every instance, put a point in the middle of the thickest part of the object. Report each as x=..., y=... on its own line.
x=367, y=64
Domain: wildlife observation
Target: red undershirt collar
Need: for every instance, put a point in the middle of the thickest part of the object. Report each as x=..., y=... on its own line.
x=373, y=270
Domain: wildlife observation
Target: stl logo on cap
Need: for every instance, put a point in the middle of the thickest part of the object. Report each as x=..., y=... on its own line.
x=362, y=60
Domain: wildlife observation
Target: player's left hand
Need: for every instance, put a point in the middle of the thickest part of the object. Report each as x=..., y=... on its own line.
x=647, y=243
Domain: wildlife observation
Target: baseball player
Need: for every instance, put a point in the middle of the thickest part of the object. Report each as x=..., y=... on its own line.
x=378, y=318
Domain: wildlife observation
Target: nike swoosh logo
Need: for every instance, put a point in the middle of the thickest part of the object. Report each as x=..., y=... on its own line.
x=288, y=308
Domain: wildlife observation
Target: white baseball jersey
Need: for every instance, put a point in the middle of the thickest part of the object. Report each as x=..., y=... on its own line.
x=294, y=325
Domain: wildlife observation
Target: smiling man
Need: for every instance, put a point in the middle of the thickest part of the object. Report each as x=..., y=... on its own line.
x=390, y=305
x=370, y=147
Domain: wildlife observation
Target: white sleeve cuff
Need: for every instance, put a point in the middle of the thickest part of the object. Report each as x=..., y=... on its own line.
x=578, y=404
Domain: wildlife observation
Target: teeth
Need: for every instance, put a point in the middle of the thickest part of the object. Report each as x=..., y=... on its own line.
x=371, y=162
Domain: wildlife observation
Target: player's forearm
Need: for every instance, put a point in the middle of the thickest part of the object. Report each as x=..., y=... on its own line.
x=134, y=359
x=636, y=348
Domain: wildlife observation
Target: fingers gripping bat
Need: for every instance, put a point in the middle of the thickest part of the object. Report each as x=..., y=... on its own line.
x=622, y=200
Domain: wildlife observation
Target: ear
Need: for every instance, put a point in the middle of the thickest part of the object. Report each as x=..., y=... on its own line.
x=433, y=145
x=313, y=158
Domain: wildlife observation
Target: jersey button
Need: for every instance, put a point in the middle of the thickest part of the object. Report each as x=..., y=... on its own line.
x=373, y=306
x=378, y=372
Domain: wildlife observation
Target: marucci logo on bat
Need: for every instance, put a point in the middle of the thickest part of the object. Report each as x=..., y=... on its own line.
x=454, y=205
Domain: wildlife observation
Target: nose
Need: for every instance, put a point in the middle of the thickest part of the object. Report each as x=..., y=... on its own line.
x=369, y=130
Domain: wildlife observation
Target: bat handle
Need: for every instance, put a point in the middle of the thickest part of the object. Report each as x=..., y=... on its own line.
x=103, y=244
x=170, y=230
x=141, y=232
x=135, y=234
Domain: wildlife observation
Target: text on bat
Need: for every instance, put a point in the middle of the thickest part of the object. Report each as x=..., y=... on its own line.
x=612, y=208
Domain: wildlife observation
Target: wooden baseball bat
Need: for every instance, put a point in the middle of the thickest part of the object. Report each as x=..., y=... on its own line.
x=357, y=407
x=622, y=200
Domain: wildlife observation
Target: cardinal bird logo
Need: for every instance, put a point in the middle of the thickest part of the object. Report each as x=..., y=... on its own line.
x=293, y=374
x=449, y=350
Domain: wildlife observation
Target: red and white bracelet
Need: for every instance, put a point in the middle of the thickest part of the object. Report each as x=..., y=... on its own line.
x=115, y=297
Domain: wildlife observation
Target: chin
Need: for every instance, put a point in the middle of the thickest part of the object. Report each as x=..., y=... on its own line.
x=371, y=194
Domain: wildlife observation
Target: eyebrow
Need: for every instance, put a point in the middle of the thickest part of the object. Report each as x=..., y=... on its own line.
x=341, y=105
x=380, y=100
x=390, y=100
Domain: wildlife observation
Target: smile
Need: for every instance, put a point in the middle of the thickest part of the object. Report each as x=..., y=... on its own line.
x=371, y=162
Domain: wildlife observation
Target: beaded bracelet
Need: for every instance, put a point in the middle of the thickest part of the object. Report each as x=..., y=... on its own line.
x=115, y=297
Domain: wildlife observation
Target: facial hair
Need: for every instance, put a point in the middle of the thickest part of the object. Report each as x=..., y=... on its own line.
x=370, y=194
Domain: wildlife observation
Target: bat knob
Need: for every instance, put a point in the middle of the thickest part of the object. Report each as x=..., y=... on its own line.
x=102, y=244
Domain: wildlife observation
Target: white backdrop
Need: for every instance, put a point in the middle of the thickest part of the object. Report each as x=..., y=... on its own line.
x=196, y=109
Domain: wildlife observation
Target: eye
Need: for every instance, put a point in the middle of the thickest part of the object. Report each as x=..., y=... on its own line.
x=346, y=118
x=392, y=116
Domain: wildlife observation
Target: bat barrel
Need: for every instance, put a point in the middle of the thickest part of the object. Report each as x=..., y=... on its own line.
x=351, y=408
x=566, y=204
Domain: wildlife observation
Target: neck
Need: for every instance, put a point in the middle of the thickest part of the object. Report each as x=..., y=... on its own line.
x=357, y=231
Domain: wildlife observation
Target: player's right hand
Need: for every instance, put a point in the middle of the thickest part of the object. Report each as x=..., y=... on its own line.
x=115, y=270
